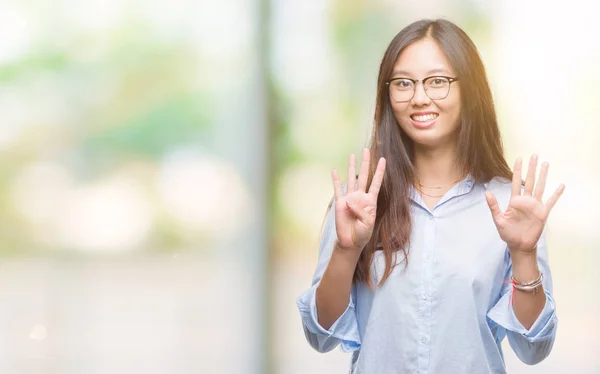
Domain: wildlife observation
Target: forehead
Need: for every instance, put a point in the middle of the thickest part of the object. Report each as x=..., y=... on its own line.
x=422, y=58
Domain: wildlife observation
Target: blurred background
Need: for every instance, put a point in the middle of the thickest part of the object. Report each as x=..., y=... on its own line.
x=164, y=170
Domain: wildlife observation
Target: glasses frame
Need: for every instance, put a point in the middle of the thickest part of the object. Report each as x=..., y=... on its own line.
x=415, y=81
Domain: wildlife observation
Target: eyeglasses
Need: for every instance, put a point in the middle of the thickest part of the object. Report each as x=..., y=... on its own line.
x=436, y=87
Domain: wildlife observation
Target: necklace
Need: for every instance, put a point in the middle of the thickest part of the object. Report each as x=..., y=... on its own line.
x=431, y=187
x=426, y=194
x=436, y=187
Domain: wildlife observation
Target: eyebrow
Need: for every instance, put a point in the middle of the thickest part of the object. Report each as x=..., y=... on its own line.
x=429, y=73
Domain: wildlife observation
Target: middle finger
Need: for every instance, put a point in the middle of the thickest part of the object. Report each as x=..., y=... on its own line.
x=530, y=179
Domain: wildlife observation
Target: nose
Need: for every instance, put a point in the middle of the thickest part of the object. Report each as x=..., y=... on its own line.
x=420, y=97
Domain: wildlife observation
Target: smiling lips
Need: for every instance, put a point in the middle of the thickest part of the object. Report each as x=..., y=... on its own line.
x=424, y=120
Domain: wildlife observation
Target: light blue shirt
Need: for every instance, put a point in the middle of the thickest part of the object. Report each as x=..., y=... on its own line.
x=449, y=309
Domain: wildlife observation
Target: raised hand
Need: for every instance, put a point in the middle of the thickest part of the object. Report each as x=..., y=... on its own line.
x=521, y=225
x=355, y=212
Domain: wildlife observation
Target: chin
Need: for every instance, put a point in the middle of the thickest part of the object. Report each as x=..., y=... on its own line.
x=431, y=141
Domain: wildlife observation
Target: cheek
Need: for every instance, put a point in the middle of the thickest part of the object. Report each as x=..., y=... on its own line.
x=401, y=110
x=401, y=113
x=455, y=103
x=451, y=109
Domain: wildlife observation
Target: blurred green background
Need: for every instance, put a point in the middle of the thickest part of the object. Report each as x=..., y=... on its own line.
x=166, y=167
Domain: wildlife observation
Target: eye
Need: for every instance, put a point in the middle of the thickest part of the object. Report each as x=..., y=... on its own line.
x=403, y=84
x=436, y=82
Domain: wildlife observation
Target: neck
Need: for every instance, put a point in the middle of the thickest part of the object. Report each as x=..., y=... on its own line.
x=437, y=166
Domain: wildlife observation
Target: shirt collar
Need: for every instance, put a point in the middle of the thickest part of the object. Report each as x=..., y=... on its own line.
x=461, y=188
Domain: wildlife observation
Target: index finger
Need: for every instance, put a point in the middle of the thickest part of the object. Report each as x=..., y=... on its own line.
x=378, y=177
x=364, y=170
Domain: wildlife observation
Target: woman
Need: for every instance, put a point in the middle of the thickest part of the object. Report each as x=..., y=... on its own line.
x=427, y=269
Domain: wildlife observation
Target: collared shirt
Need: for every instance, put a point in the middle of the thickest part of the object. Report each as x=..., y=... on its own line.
x=450, y=308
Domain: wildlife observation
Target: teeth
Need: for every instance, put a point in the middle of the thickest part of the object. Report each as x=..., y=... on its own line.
x=424, y=118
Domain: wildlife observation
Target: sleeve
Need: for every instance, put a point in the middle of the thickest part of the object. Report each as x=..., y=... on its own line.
x=344, y=330
x=535, y=344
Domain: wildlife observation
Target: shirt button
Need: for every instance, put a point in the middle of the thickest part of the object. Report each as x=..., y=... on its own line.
x=423, y=340
x=426, y=296
x=427, y=256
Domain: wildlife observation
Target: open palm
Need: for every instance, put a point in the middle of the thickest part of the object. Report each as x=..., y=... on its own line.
x=355, y=212
x=521, y=225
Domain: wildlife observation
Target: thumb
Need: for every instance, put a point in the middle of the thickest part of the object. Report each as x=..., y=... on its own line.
x=492, y=204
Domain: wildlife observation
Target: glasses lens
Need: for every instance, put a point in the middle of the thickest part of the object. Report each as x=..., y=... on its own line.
x=437, y=87
x=402, y=89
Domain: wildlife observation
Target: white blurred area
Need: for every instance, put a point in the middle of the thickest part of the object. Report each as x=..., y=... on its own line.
x=116, y=213
x=101, y=294
x=204, y=193
x=132, y=268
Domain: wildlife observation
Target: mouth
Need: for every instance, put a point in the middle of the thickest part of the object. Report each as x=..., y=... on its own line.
x=424, y=120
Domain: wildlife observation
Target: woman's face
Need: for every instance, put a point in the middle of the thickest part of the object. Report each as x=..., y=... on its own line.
x=429, y=123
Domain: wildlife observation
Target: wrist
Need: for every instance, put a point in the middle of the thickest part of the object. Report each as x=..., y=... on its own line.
x=351, y=254
x=525, y=266
x=338, y=246
x=526, y=256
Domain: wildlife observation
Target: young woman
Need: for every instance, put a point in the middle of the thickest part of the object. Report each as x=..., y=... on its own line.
x=437, y=251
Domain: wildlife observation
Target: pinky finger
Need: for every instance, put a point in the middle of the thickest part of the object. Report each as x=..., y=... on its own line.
x=337, y=187
x=554, y=198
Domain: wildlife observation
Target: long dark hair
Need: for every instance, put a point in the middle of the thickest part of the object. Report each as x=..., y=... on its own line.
x=480, y=151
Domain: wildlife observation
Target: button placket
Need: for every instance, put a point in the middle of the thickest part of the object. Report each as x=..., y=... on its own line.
x=425, y=289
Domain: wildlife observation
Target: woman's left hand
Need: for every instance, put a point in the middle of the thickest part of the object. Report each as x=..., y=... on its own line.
x=521, y=225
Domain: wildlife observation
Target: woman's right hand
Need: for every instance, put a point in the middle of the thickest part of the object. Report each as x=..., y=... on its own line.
x=355, y=212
